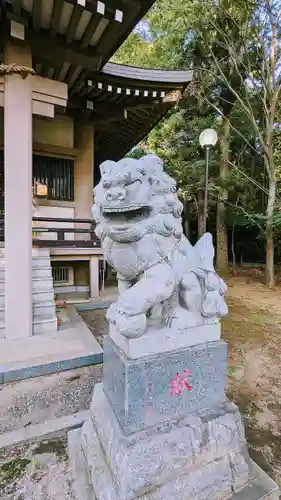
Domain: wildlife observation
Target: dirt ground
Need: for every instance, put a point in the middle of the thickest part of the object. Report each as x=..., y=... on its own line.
x=253, y=332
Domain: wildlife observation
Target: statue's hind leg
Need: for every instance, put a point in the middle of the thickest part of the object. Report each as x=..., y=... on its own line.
x=129, y=313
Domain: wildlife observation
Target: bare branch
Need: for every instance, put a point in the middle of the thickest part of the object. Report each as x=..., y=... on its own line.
x=248, y=216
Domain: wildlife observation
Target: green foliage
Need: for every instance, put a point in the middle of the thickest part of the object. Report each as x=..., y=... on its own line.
x=227, y=43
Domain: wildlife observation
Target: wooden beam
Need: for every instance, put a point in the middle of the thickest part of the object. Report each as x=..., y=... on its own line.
x=16, y=5
x=79, y=82
x=89, y=112
x=111, y=5
x=37, y=14
x=75, y=18
x=54, y=49
x=109, y=45
x=107, y=109
x=113, y=117
x=143, y=132
x=91, y=28
x=56, y=15
x=73, y=74
x=51, y=150
x=105, y=126
x=66, y=243
x=86, y=116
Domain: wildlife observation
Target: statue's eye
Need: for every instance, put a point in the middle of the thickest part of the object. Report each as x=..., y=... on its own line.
x=106, y=184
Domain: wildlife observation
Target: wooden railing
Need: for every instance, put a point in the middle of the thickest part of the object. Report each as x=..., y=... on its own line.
x=62, y=230
x=45, y=225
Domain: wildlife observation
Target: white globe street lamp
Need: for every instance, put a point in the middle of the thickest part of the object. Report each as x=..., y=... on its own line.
x=207, y=140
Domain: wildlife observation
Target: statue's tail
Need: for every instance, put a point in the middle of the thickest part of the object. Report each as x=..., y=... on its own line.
x=205, y=252
x=201, y=255
x=214, y=288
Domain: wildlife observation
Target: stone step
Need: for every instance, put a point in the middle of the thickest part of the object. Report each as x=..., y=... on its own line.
x=38, y=285
x=45, y=314
x=42, y=326
x=37, y=273
x=36, y=252
x=43, y=262
x=43, y=296
x=40, y=297
x=40, y=312
x=44, y=308
x=42, y=272
x=40, y=252
x=36, y=263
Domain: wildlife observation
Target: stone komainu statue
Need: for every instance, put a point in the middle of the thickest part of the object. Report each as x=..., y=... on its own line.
x=164, y=282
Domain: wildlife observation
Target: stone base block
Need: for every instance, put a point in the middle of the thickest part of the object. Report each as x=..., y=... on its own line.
x=202, y=457
x=154, y=389
x=161, y=340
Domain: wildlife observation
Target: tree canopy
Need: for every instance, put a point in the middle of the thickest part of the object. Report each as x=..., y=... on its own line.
x=233, y=47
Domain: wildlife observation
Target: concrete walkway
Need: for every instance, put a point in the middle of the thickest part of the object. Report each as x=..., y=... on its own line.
x=72, y=346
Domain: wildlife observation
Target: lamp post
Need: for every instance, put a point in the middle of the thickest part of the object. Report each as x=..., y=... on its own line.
x=207, y=140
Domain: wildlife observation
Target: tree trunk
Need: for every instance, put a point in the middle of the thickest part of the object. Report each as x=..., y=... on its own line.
x=222, y=238
x=186, y=222
x=200, y=220
x=269, y=262
x=233, y=249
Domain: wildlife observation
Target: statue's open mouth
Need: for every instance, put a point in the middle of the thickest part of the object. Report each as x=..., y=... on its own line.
x=126, y=215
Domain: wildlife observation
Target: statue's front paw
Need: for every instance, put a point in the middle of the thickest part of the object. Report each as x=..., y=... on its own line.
x=111, y=313
x=130, y=327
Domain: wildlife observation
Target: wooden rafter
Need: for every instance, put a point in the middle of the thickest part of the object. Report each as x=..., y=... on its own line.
x=56, y=15
x=55, y=49
x=37, y=14
x=75, y=18
x=91, y=28
x=111, y=5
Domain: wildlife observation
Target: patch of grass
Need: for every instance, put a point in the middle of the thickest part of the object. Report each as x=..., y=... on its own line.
x=259, y=439
x=11, y=471
x=56, y=446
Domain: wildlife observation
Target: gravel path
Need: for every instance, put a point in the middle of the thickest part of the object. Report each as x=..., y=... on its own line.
x=39, y=399
x=36, y=400
x=37, y=471
x=96, y=322
x=40, y=471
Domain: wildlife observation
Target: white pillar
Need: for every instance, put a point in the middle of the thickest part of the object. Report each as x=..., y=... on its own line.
x=18, y=202
x=94, y=277
x=84, y=175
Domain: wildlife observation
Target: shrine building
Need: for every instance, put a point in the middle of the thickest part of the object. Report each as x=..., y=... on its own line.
x=64, y=108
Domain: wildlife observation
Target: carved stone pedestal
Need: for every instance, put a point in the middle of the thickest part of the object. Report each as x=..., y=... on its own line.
x=160, y=427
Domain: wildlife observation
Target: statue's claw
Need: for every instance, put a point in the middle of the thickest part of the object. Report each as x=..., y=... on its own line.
x=130, y=327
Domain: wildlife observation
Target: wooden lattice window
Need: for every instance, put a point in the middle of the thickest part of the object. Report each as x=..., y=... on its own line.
x=62, y=275
x=57, y=173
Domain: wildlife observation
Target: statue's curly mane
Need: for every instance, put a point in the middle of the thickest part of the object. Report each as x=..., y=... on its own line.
x=156, y=190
